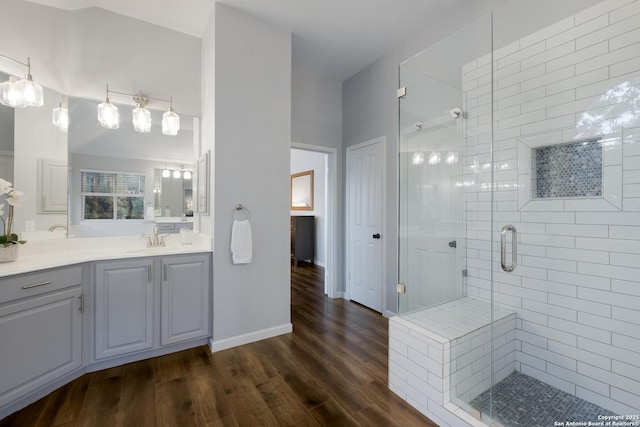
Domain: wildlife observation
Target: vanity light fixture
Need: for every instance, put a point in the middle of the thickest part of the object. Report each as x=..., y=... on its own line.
x=417, y=158
x=21, y=93
x=60, y=116
x=186, y=175
x=176, y=174
x=141, y=117
x=166, y=173
x=452, y=157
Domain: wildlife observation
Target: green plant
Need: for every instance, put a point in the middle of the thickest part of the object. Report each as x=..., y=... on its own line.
x=14, y=199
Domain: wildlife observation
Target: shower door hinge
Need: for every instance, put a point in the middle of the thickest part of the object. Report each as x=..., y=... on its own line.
x=401, y=288
x=402, y=92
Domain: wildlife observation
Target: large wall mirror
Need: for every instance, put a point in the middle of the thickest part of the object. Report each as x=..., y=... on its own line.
x=33, y=156
x=116, y=178
x=302, y=191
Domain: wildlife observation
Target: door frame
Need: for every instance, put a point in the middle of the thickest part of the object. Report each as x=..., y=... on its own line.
x=331, y=210
x=383, y=218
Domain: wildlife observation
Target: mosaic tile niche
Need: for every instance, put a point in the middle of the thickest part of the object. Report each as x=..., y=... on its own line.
x=568, y=170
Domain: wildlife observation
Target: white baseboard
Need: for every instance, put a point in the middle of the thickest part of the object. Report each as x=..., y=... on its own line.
x=250, y=337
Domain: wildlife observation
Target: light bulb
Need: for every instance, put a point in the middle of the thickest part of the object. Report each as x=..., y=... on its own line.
x=176, y=174
x=60, y=117
x=141, y=120
x=434, y=158
x=166, y=173
x=417, y=158
x=187, y=175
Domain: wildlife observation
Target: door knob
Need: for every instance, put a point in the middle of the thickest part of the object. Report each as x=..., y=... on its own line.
x=376, y=236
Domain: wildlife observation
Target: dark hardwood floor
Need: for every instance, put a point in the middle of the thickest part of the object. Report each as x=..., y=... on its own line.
x=332, y=371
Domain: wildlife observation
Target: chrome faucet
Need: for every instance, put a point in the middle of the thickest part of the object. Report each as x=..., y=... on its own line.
x=155, y=239
x=54, y=226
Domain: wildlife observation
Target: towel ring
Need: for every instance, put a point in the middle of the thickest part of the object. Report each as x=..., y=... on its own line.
x=241, y=211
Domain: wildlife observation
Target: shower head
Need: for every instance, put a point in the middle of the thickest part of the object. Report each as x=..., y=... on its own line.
x=456, y=113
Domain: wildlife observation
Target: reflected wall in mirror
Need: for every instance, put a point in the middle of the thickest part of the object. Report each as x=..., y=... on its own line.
x=120, y=153
x=33, y=156
x=302, y=191
x=173, y=192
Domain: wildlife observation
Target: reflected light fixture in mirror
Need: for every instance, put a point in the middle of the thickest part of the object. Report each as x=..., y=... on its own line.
x=108, y=115
x=21, y=93
x=141, y=117
x=176, y=174
x=417, y=158
x=170, y=121
x=187, y=175
x=452, y=157
x=60, y=116
x=434, y=158
x=166, y=173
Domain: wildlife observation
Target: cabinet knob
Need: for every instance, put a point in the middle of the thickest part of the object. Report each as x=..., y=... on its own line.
x=376, y=236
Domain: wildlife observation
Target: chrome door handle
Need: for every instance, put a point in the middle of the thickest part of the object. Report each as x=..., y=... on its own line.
x=503, y=248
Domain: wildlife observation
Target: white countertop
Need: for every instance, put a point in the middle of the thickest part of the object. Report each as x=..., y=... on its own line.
x=39, y=255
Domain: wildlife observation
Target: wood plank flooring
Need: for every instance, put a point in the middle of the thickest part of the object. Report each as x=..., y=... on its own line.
x=332, y=371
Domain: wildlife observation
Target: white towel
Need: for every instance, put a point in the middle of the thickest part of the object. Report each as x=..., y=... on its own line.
x=241, y=244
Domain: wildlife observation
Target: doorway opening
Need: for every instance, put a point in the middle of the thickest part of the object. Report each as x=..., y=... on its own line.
x=322, y=161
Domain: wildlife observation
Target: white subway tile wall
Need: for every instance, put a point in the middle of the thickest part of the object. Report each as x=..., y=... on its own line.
x=577, y=286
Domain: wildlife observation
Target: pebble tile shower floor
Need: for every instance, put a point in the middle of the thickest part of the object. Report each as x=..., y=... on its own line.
x=523, y=401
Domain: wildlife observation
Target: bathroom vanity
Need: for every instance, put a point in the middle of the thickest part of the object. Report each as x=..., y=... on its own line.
x=72, y=306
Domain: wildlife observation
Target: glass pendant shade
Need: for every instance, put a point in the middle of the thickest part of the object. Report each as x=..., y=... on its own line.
x=141, y=120
x=434, y=158
x=166, y=173
x=417, y=158
x=176, y=174
x=31, y=92
x=10, y=94
x=170, y=123
x=60, y=118
x=452, y=157
x=108, y=115
x=187, y=175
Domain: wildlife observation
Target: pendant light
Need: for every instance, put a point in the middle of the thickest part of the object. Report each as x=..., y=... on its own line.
x=187, y=175
x=452, y=157
x=434, y=158
x=60, y=116
x=21, y=93
x=31, y=91
x=417, y=158
x=108, y=115
x=140, y=116
x=10, y=94
x=176, y=174
x=170, y=121
x=166, y=173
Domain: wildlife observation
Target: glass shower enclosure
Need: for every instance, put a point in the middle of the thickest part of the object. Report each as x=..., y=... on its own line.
x=519, y=223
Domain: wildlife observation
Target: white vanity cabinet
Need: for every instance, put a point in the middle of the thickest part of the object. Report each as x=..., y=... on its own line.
x=149, y=303
x=40, y=329
x=123, y=307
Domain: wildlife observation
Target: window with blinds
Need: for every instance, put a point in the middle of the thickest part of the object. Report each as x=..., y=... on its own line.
x=112, y=195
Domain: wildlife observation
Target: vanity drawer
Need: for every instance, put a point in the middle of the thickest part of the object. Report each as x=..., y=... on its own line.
x=30, y=284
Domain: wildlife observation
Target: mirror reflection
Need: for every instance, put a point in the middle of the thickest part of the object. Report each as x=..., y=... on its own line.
x=113, y=183
x=33, y=156
x=173, y=192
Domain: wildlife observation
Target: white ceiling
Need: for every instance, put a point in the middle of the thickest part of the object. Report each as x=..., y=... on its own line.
x=335, y=38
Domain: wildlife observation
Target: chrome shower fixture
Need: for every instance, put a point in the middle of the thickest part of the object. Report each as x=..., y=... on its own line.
x=456, y=113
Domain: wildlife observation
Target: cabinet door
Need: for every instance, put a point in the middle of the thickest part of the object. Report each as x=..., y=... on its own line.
x=185, y=298
x=41, y=341
x=123, y=307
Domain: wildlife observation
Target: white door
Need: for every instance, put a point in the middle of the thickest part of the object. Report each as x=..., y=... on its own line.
x=364, y=204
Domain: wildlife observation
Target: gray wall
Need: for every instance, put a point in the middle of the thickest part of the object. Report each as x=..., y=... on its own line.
x=252, y=104
x=369, y=103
